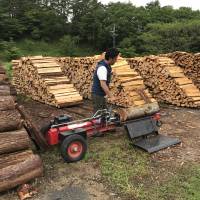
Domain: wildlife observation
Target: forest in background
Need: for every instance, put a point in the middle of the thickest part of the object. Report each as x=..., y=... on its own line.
x=83, y=27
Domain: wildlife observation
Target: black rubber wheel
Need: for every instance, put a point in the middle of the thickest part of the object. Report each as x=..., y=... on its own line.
x=73, y=148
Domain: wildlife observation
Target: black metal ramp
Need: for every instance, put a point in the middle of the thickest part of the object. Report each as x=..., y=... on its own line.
x=143, y=132
x=155, y=143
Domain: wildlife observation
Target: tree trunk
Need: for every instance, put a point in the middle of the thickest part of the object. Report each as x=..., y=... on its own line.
x=2, y=70
x=33, y=131
x=3, y=78
x=19, y=168
x=7, y=103
x=135, y=112
x=14, y=141
x=4, y=90
x=10, y=120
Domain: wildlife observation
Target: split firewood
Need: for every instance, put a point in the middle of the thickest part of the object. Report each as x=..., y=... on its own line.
x=190, y=63
x=126, y=86
x=166, y=81
x=42, y=79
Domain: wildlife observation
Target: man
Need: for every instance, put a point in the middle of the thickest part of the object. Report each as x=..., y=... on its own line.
x=102, y=79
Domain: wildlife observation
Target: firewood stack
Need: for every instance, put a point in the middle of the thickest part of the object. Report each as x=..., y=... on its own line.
x=127, y=86
x=80, y=72
x=196, y=68
x=18, y=164
x=41, y=78
x=166, y=81
x=190, y=64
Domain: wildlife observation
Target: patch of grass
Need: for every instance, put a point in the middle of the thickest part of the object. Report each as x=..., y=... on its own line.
x=32, y=48
x=129, y=172
x=8, y=66
x=184, y=186
x=23, y=98
x=122, y=166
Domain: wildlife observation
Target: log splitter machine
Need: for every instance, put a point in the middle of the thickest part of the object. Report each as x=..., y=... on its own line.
x=142, y=130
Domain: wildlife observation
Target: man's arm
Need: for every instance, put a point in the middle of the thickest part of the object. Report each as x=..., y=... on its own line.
x=105, y=88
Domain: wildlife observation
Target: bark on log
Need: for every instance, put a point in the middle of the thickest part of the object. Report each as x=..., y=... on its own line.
x=14, y=141
x=4, y=90
x=7, y=103
x=2, y=70
x=19, y=172
x=10, y=120
x=135, y=112
x=33, y=131
x=3, y=78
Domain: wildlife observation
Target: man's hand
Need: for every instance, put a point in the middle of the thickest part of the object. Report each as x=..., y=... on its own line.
x=109, y=95
x=111, y=98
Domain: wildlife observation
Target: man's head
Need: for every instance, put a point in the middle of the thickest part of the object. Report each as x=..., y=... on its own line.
x=111, y=55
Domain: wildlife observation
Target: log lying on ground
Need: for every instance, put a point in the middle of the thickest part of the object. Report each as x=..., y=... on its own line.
x=127, y=86
x=14, y=141
x=139, y=111
x=42, y=79
x=2, y=70
x=3, y=79
x=4, y=90
x=190, y=63
x=7, y=103
x=18, y=168
x=166, y=81
x=33, y=131
x=10, y=120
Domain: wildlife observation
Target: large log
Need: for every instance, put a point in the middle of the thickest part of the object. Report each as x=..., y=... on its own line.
x=2, y=70
x=4, y=90
x=14, y=141
x=10, y=120
x=3, y=79
x=7, y=103
x=33, y=131
x=139, y=111
x=19, y=168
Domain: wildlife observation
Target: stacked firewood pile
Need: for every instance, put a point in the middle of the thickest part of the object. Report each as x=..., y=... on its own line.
x=126, y=85
x=18, y=164
x=190, y=64
x=166, y=81
x=41, y=78
x=80, y=72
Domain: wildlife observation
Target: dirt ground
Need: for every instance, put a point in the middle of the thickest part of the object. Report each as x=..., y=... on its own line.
x=84, y=180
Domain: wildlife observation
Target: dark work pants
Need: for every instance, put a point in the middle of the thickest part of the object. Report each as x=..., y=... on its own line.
x=99, y=102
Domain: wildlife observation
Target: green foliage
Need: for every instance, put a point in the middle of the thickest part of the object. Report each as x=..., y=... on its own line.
x=139, y=30
x=168, y=37
x=68, y=45
x=127, y=48
x=9, y=50
x=135, y=175
x=8, y=66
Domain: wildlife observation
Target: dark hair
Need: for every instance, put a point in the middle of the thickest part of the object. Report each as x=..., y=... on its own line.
x=111, y=53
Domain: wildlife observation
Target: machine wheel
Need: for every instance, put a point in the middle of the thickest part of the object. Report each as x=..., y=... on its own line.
x=73, y=148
